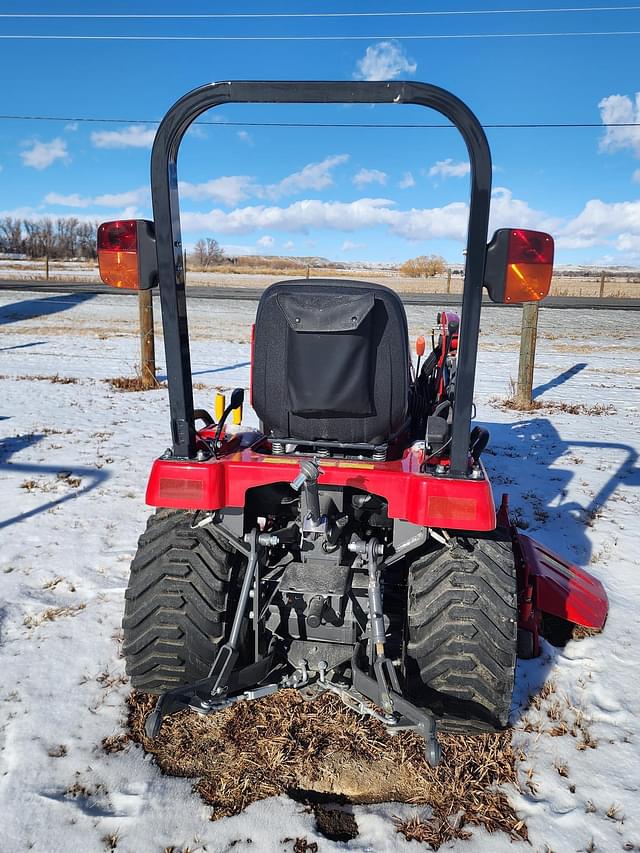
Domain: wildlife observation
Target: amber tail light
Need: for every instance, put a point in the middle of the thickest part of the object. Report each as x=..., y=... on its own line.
x=127, y=254
x=519, y=265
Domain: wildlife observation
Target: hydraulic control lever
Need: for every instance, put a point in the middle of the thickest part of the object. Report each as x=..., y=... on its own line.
x=307, y=480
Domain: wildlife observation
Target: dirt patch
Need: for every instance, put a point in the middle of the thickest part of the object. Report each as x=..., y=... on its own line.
x=319, y=751
x=335, y=824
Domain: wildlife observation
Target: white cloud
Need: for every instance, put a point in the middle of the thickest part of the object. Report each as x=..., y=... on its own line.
x=129, y=198
x=384, y=61
x=620, y=109
x=314, y=176
x=449, y=169
x=308, y=215
x=197, y=132
x=72, y=126
x=42, y=154
x=72, y=200
x=600, y=222
x=628, y=243
x=229, y=189
x=245, y=137
x=300, y=216
x=350, y=246
x=636, y=176
x=406, y=181
x=510, y=212
x=369, y=176
x=134, y=136
x=232, y=189
x=289, y=245
x=266, y=242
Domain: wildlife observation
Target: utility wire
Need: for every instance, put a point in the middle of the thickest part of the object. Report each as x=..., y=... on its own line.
x=428, y=37
x=496, y=125
x=394, y=14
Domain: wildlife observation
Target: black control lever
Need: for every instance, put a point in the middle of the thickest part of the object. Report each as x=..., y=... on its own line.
x=236, y=400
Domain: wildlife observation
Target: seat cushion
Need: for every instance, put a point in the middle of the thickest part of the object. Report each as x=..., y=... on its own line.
x=330, y=362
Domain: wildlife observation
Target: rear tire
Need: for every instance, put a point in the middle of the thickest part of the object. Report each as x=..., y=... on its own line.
x=462, y=631
x=176, y=602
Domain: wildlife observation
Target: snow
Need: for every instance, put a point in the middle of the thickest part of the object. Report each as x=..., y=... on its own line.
x=66, y=545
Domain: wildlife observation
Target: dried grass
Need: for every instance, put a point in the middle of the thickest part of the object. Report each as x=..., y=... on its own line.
x=284, y=744
x=135, y=383
x=550, y=407
x=51, y=614
x=115, y=743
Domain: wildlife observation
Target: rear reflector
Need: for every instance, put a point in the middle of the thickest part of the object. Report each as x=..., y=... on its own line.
x=451, y=511
x=175, y=489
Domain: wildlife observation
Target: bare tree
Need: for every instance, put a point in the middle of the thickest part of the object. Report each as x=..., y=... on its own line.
x=11, y=235
x=207, y=252
x=200, y=253
x=62, y=238
x=215, y=255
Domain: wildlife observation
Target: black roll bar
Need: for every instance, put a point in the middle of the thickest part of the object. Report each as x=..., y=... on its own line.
x=164, y=192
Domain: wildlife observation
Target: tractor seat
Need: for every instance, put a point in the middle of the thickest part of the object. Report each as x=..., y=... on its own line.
x=331, y=362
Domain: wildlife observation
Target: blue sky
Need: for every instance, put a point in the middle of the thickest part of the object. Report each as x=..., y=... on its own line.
x=346, y=193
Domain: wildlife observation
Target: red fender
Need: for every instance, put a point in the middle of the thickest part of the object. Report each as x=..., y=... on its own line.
x=562, y=589
x=549, y=584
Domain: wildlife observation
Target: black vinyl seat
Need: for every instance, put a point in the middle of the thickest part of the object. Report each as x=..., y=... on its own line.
x=331, y=362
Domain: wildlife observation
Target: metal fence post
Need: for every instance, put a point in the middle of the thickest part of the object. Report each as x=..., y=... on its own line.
x=147, y=340
x=527, y=354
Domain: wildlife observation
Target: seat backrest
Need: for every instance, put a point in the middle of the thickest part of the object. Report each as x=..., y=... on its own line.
x=331, y=362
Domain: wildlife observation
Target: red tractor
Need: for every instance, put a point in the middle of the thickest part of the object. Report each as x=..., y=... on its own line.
x=352, y=543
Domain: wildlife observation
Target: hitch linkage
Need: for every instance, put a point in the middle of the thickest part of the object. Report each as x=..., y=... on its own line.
x=222, y=678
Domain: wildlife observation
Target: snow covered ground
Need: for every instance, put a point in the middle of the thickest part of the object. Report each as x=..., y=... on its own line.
x=74, y=456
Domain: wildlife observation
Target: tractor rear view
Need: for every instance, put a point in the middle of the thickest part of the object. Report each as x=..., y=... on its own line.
x=351, y=543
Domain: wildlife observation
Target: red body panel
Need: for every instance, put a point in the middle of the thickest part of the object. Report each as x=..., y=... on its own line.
x=562, y=589
x=413, y=496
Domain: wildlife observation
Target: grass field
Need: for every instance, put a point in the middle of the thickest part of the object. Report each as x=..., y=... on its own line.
x=616, y=283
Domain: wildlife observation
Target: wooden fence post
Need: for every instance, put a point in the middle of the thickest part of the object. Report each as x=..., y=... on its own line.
x=528, y=337
x=602, y=277
x=46, y=266
x=448, y=281
x=147, y=340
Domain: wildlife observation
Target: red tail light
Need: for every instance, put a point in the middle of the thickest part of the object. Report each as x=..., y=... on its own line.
x=118, y=253
x=519, y=265
x=126, y=254
x=530, y=247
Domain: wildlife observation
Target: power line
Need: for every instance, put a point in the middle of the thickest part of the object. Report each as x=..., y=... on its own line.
x=489, y=126
x=394, y=14
x=423, y=37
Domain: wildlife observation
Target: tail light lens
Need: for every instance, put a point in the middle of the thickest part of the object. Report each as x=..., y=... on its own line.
x=519, y=265
x=127, y=254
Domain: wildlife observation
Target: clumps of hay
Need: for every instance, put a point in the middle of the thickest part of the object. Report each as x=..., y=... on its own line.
x=135, y=383
x=319, y=750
